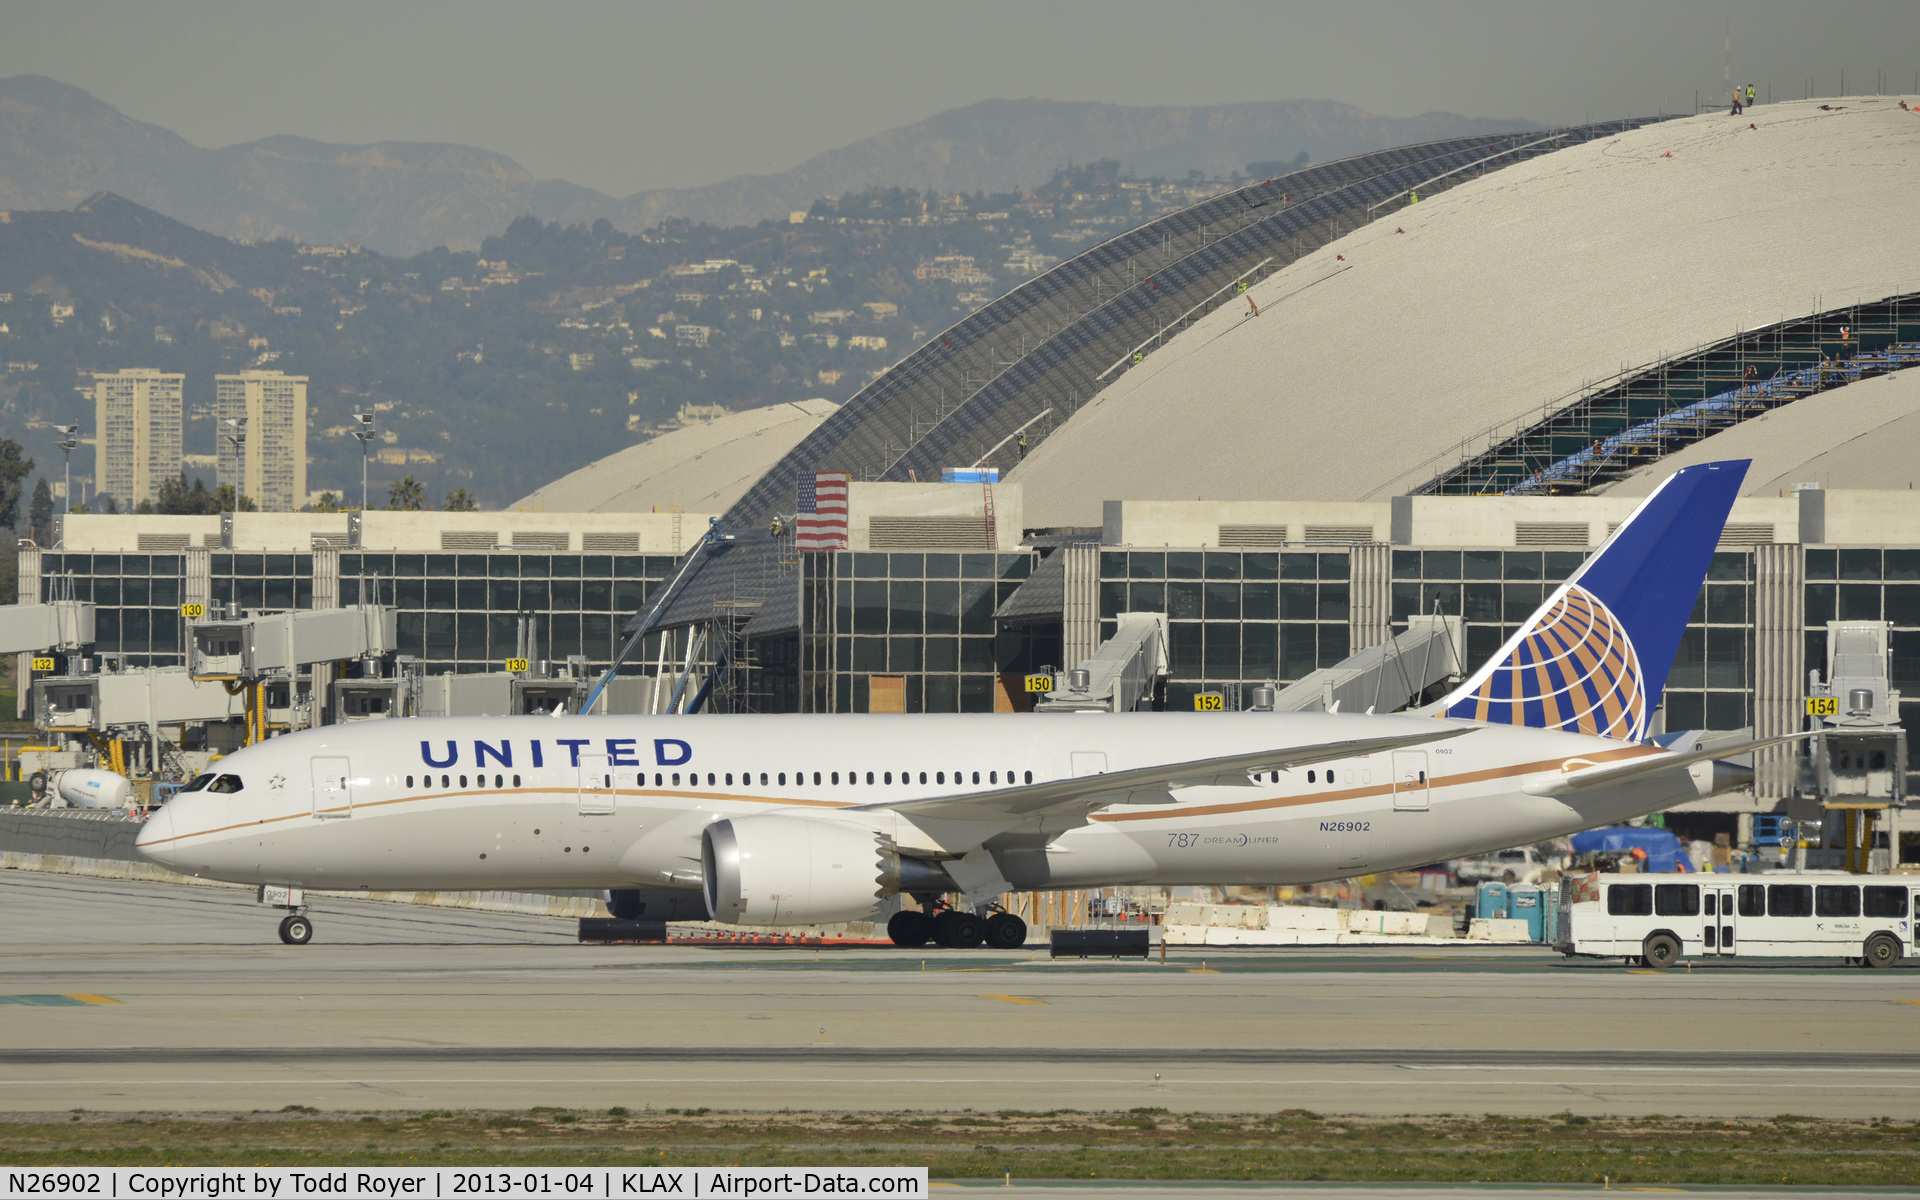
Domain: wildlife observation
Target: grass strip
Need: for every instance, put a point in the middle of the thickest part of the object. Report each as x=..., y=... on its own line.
x=1143, y=1143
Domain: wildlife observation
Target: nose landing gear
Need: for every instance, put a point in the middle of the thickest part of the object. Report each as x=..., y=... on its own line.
x=295, y=928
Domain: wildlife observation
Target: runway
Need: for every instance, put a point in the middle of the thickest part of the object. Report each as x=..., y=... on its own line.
x=144, y=997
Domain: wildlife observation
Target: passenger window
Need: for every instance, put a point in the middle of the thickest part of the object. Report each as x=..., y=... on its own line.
x=1707, y=903
x=499, y=781
x=834, y=778
x=1630, y=900
x=1789, y=900
x=1676, y=900
x=410, y=781
x=887, y=778
x=446, y=781
x=993, y=777
x=676, y=779
x=226, y=785
x=729, y=778
x=1312, y=778
x=763, y=779
x=1029, y=776
x=1753, y=900
x=816, y=779
x=976, y=777
x=1836, y=900
x=923, y=777
x=939, y=776
x=1885, y=901
x=869, y=776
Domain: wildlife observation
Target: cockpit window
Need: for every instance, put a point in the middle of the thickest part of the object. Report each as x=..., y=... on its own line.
x=199, y=781
x=226, y=785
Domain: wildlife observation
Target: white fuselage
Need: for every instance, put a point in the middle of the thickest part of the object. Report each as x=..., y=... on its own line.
x=620, y=802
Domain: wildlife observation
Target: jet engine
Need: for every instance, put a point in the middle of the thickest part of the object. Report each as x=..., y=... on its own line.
x=776, y=870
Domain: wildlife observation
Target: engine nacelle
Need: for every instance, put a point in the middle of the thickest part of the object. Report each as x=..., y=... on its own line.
x=776, y=870
x=88, y=788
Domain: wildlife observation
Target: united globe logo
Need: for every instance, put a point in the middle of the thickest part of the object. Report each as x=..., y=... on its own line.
x=1573, y=669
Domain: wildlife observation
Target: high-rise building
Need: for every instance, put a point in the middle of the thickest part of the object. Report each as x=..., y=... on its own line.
x=270, y=466
x=136, y=421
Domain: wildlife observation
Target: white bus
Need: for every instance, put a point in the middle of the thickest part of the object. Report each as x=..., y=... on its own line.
x=1656, y=920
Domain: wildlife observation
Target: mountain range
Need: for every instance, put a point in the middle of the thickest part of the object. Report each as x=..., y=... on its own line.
x=60, y=144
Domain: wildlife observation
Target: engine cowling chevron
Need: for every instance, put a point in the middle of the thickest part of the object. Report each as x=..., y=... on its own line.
x=777, y=870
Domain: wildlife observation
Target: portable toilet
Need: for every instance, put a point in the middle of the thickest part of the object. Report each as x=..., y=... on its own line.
x=1490, y=902
x=1524, y=904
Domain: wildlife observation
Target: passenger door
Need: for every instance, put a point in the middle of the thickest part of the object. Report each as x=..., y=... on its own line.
x=1717, y=921
x=332, y=791
x=596, y=785
x=1089, y=762
x=1410, y=781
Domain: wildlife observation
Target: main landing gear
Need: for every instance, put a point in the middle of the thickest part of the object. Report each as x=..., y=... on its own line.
x=956, y=928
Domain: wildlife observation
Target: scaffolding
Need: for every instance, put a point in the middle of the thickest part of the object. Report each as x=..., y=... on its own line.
x=1607, y=431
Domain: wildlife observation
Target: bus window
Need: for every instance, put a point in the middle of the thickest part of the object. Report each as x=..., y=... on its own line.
x=1789, y=900
x=1884, y=901
x=1753, y=900
x=1630, y=899
x=1676, y=900
x=1836, y=900
x=1707, y=900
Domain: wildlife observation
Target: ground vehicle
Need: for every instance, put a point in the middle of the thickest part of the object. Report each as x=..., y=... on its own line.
x=1655, y=920
x=1522, y=864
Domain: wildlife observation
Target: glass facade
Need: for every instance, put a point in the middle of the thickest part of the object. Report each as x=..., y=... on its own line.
x=1233, y=616
x=460, y=612
x=138, y=595
x=920, y=623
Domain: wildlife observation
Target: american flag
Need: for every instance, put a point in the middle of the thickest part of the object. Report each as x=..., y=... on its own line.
x=822, y=523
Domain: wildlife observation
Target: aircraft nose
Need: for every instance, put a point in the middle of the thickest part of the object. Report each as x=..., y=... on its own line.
x=156, y=836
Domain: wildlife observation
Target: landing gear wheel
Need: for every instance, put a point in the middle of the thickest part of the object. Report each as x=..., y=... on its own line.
x=296, y=931
x=1882, y=950
x=1006, y=931
x=909, y=928
x=1660, y=951
x=958, y=930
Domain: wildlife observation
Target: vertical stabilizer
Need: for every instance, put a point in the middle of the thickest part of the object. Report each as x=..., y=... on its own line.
x=1594, y=658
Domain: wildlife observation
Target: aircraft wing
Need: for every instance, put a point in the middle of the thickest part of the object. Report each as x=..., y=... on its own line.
x=1144, y=785
x=1609, y=774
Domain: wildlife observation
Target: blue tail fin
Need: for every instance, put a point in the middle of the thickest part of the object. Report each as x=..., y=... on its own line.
x=1594, y=658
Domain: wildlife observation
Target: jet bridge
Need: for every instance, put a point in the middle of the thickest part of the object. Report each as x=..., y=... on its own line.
x=1388, y=677
x=1853, y=781
x=1122, y=673
x=60, y=626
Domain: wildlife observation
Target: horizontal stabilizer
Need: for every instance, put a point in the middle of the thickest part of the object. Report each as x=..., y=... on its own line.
x=1606, y=775
x=1145, y=785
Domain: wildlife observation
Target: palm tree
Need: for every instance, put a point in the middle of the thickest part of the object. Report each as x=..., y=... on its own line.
x=406, y=496
x=459, y=500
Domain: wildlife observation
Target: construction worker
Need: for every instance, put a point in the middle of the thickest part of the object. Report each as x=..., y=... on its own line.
x=1023, y=445
x=1736, y=102
x=1749, y=95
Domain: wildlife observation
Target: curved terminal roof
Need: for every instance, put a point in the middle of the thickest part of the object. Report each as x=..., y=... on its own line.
x=1863, y=435
x=1027, y=360
x=705, y=467
x=1388, y=356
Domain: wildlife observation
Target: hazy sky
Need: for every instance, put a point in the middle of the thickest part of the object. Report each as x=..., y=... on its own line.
x=625, y=96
